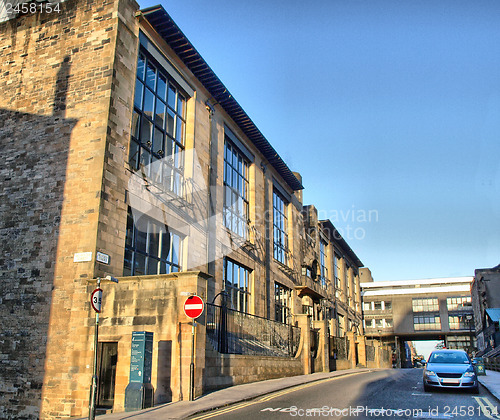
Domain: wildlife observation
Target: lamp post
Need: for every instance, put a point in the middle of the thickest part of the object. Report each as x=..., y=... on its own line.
x=96, y=302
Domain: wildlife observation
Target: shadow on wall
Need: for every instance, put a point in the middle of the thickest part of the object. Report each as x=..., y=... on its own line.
x=34, y=150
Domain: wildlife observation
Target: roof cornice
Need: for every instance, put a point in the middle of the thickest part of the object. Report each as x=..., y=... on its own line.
x=165, y=26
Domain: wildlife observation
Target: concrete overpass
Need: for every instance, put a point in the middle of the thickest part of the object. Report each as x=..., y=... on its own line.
x=411, y=310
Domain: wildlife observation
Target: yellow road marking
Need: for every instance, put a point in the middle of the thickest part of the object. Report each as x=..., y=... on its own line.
x=222, y=411
x=270, y=397
x=487, y=408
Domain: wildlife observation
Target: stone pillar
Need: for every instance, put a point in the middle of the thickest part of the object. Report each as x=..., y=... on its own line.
x=323, y=346
x=361, y=350
x=304, y=322
x=351, y=336
x=376, y=346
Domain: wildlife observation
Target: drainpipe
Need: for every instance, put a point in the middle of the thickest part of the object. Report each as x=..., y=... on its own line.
x=210, y=269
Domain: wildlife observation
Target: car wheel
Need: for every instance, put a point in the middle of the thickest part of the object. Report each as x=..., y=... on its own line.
x=475, y=390
x=427, y=388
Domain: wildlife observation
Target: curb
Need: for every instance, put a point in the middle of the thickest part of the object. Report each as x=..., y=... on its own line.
x=186, y=409
x=490, y=388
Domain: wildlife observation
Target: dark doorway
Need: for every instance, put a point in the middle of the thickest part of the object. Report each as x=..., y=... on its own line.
x=107, y=374
x=163, y=393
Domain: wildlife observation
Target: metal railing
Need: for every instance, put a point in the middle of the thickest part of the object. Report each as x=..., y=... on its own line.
x=235, y=332
x=341, y=347
x=370, y=354
x=492, y=363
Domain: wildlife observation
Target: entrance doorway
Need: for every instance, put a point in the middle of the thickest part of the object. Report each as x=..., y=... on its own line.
x=107, y=374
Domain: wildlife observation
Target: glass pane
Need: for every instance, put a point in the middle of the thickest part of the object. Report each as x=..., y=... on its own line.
x=149, y=102
x=151, y=76
x=129, y=237
x=139, y=264
x=139, y=89
x=165, y=245
x=127, y=263
x=180, y=105
x=170, y=122
x=146, y=131
x=161, y=89
x=229, y=272
x=157, y=141
x=152, y=266
x=175, y=249
x=160, y=113
x=170, y=149
x=179, y=131
x=140, y=240
x=145, y=161
x=154, y=240
x=141, y=65
x=136, y=123
x=163, y=267
x=155, y=171
x=133, y=154
x=234, y=180
x=171, y=96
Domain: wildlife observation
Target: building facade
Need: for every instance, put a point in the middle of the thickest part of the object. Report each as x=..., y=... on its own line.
x=486, y=304
x=125, y=155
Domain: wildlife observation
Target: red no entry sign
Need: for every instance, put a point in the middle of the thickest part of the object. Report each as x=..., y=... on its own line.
x=193, y=307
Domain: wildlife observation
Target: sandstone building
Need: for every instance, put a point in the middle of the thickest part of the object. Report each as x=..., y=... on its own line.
x=486, y=306
x=125, y=155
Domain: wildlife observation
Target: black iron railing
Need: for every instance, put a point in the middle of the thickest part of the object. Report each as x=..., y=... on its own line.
x=370, y=354
x=235, y=332
x=341, y=348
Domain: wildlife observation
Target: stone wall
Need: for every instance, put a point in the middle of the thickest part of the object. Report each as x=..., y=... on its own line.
x=223, y=370
x=56, y=79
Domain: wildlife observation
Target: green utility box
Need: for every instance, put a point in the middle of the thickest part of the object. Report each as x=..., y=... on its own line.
x=139, y=393
x=479, y=363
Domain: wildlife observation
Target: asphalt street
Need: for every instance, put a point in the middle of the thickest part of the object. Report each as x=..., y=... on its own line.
x=383, y=394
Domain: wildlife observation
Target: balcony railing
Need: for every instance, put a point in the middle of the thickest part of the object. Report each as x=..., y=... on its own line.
x=235, y=332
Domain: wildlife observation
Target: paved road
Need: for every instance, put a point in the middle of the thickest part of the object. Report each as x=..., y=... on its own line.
x=383, y=394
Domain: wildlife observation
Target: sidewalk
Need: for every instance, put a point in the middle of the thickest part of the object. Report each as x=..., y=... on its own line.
x=224, y=397
x=491, y=382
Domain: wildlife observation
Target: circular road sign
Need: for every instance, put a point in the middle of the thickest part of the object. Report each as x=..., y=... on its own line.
x=96, y=299
x=193, y=306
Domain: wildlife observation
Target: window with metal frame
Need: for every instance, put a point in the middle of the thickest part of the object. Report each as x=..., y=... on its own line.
x=425, y=305
x=282, y=303
x=458, y=322
x=459, y=303
x=237, y=285
x=323, y=260
x=158, y=126
x=150, y=248
x=280, y=222
x=336, y=260
x=426, y=322
x=347, y=281
x=236, y=208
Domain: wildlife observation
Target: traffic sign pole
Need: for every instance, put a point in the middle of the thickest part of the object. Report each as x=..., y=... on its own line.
x=95, y=301
x=191, y=366
x=193, y=308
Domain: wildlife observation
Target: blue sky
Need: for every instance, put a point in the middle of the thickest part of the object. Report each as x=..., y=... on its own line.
x=390, y=110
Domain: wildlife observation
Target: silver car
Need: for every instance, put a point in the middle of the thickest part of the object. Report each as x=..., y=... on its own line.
x=450, y=369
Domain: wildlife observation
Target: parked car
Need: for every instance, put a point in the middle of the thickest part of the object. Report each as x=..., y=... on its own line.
x=450, y=369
